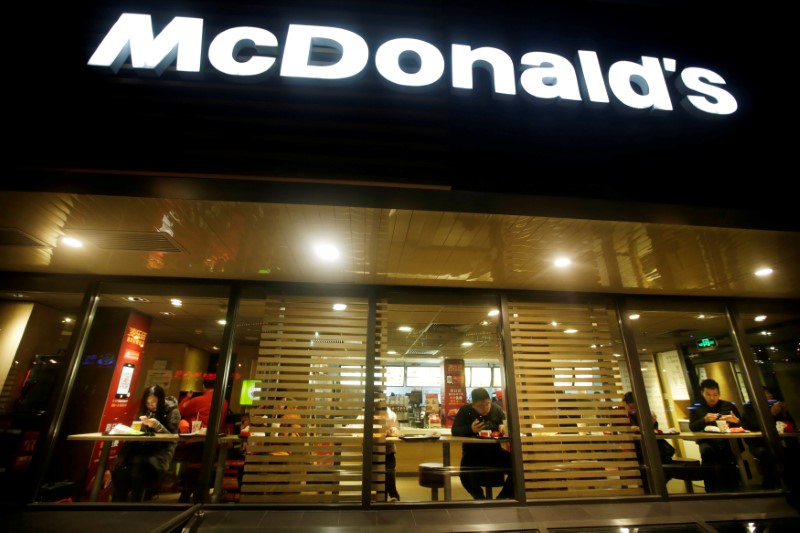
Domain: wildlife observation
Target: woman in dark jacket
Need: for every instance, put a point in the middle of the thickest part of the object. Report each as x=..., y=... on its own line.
x=141, y=464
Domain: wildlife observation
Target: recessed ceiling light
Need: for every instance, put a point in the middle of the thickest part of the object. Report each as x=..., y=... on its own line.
x=136, y=299
x=761, y=272
x=484, y=323
x=634, y=316
x=392, y=352
x=562, y=262
x=167, y=313
x=553, y=323
x=616, y=355
x=72, y=242
x=339, y=307
x=405, y=328
x=466, y=344
x=176, y=302
x=222, y=322
x=326, y=251
x=760, y=318
x=494, y=312
x=67, y=320
x=570, y=331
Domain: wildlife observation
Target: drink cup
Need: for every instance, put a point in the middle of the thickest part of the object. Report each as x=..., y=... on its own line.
x=780, y=426
x=136, y=425
x=722, y=425
x=485, y=433
x=196, y=424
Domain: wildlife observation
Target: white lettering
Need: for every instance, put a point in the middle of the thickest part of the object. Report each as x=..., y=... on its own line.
x=649, y=79
x=387, y=61
x=553, y=76
x=502, y=68
x=330, y=53
x=716, y=100
x=132, y=35
x=593, y=77
x=226, y=46
x=300, y=41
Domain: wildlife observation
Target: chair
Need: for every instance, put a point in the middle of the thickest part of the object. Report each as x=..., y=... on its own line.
x=431, y=475
x=685, y=469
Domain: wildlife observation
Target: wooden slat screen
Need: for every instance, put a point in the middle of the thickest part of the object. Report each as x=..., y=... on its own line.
x=312, y=360
x=575, y=438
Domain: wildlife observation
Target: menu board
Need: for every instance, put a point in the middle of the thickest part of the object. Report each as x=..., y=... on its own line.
x=393, y=376
x=455, y=390
x=674, y=376
x=497, y=378
x=423, y=376
x=481, y=377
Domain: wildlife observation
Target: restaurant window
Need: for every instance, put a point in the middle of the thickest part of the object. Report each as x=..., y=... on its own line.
x=37, y=322
x=568, y=365
x=142, y=335
x=448, y=344
x=771, y=335
x=304, y=357
x=680, y=347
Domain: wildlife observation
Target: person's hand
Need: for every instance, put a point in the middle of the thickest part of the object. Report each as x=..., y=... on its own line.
x=477, y=426
x=711, y=417
x=149, y=422
x=730, y=418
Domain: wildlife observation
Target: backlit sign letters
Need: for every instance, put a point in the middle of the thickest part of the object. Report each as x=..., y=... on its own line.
x=544, y=75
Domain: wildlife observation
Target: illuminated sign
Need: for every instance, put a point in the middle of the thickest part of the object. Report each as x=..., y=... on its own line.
x=707, y=343
x=544, y=75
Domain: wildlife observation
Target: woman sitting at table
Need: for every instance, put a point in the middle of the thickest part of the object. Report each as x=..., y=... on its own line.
x=140, y=464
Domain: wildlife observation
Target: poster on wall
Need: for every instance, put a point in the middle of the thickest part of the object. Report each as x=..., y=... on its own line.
x=674, y=378
x=652, y=388
x=455, y=390
x=120, y=407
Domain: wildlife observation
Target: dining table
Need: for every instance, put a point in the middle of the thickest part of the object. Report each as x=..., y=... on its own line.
x=447, y=441
x=108, y=441
x=732, y=438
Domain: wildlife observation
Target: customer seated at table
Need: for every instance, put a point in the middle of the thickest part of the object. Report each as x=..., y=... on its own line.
x=190, y=455
x=665, y=449
x=140, y=465
x=717, y=457
x=479, y=460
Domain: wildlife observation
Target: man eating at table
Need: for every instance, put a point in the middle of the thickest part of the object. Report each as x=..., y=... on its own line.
x=718, y=461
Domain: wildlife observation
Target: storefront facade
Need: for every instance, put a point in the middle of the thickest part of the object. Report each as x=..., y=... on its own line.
x=434, y=147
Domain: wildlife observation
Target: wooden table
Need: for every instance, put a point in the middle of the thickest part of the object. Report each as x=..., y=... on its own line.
x=107, y=441
x=446, y=441
x=730, y=437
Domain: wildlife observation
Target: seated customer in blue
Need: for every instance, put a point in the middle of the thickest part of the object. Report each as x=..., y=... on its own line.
x=480, y=459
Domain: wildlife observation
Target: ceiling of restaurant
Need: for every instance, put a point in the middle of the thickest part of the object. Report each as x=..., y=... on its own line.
x=162, y=238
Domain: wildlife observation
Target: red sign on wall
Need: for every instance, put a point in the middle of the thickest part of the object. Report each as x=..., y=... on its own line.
x=120, y=407
x=455, y=390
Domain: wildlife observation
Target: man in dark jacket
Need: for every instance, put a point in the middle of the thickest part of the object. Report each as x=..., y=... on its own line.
x=480, y=459
x=718, y=460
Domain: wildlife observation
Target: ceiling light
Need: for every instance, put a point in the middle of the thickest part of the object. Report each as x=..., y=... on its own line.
x=136, y=299
x=634, y=316
x=326, y=252
x=339, y=307
x=405, y=329
x=760, y=318
x=167, y=313
x=570, y=331
x=67, y=320
x=391, y=352
x=72, y=242
x=494, y=312
x=484, y=323
x=466, y=344
x=176, y=302
x=616, y=355
x=553, y=323
x=222, y=322
x=761, y=272
x=562, y=262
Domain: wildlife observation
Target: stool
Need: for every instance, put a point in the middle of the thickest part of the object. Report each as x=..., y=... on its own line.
x=431, y=475
x=685, y=469
x=494, y=478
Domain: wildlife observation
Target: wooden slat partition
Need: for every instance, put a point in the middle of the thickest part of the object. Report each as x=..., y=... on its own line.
x=575, y=437
x=312, y=367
